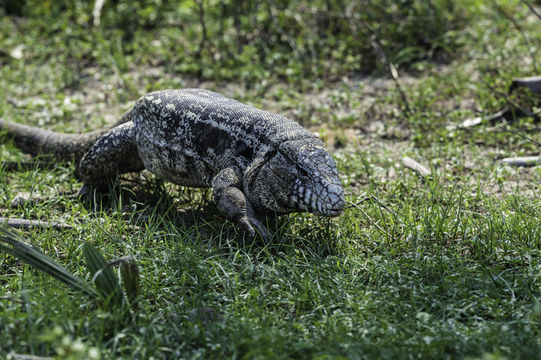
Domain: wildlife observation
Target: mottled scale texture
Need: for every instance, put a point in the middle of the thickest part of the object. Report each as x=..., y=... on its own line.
x=256, y=162
x=188, y=136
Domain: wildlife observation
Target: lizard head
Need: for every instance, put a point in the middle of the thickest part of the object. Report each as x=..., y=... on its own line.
x=297, y=176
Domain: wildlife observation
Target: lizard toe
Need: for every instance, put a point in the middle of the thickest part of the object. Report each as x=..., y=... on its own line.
x=254, y=227
x=83, y=191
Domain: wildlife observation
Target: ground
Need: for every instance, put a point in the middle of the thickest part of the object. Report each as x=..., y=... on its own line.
x=445, y=266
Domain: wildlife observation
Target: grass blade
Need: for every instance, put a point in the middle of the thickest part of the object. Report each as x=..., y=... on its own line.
x=35, y=258
x=130, y=280
x=103, y=276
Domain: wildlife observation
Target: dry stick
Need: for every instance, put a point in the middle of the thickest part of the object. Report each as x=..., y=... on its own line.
x=415, y=166
x=518, y=27
x=376, y=44
x=522, y=161
x=372, y=197
x=532, y=9
x=351, y=204
x=120, y=260
x=204, y=38
x=519, y=134
x=29, y=224
x=236, y=25
x=369, y=218
x=96, y=12
x=16, y=356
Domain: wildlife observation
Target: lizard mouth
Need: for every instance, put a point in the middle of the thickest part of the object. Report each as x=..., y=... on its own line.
x=330, y=205
x=334, y=201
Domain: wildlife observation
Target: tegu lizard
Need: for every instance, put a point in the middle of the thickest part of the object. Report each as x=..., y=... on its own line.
x=256, y=162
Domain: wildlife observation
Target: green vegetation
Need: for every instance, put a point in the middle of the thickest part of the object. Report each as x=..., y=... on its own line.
x=442, y=267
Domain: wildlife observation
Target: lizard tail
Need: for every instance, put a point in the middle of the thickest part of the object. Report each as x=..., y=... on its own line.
x=36, y=141
x=64, y=147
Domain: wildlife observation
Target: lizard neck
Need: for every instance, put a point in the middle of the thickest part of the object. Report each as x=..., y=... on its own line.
x=266, y=193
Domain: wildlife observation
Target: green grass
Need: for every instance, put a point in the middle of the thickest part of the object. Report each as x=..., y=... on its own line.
x=443, y=267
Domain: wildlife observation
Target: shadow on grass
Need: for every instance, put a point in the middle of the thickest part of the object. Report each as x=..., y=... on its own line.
x=159, y=206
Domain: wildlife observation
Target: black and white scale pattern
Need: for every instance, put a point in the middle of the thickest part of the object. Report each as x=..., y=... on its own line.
x=255, y=161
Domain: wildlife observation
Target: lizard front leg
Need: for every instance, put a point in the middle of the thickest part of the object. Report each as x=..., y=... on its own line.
x=234, y=205
x=114, y=153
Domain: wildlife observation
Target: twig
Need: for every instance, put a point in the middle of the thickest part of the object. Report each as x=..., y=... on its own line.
x=415, y=166
x=519, y=28
x=373, y=198
x=15, y=356
x=519, y=134
x=376, y=45
x=522, y=161
x=366, y=198
x=96, y=12
x=29, y=224
x=120, y=260
x=509, y=113
x=532, y=9
x=492, y=119
x=356, y=206
x=204, y=38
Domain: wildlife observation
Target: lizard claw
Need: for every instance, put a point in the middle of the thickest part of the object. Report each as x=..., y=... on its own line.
x=83, y=191
x=253, y=227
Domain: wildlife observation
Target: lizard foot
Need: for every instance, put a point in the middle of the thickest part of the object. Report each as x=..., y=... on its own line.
x=254, y=227
x=83, y=191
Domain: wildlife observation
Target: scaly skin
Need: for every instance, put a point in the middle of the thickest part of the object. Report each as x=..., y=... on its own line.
x=256, y=162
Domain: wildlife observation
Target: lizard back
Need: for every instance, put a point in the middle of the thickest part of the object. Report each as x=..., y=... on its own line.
x=187, y=136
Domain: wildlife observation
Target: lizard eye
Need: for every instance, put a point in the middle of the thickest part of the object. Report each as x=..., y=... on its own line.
x=303, y=172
